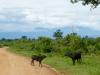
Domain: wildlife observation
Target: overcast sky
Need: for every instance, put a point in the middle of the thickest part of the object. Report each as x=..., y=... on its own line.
x=38, y=15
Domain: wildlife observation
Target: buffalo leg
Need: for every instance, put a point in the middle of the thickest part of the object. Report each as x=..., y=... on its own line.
x=32, y=62
x=73, y=61
x=40, y=64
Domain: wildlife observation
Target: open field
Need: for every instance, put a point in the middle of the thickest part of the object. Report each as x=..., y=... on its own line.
x=89, y=66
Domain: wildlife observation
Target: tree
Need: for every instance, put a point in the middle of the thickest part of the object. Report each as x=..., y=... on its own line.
x=24, y=37
x=93, y=3
x=58, y=34
x=72, y=41
x=91, y=49
x=43, y=44
x=97, y=43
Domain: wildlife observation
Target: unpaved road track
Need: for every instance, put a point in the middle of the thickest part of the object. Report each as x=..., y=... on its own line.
x=11, y=64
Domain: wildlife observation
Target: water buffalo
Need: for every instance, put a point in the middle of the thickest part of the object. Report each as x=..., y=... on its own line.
x=38, y=58
x=74, y=55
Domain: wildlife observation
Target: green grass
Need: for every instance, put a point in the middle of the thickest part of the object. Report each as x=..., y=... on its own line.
x=89, y=66
x=27, y=53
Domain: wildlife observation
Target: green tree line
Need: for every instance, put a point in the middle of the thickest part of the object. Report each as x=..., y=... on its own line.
x=57, y=44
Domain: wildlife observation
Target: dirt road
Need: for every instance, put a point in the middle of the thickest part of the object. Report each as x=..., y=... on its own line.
x=11, y=64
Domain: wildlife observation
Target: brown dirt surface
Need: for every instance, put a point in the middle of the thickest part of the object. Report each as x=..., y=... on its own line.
x=11, y=64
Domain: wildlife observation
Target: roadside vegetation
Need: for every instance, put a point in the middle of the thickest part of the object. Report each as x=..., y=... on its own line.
x=54, y=48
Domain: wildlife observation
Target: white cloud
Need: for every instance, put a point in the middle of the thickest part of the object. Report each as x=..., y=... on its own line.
x=26, y=15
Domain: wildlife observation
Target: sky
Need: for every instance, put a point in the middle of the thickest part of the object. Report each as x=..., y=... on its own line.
x=43, y=17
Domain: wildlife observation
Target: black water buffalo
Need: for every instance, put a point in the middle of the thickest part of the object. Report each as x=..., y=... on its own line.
x=38, y=58
x=74, y=55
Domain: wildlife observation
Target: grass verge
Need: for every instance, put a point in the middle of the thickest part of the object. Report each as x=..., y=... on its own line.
x=89, y=66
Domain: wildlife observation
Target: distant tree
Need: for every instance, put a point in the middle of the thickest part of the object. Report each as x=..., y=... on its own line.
x=89, y=44
x=24, y=37
x=58, y=34
x=97, y=43
x=91, y=48
x=3, y=39
x=72, y=41
x=43, y=44
x=98, y=39
x=93, y=3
